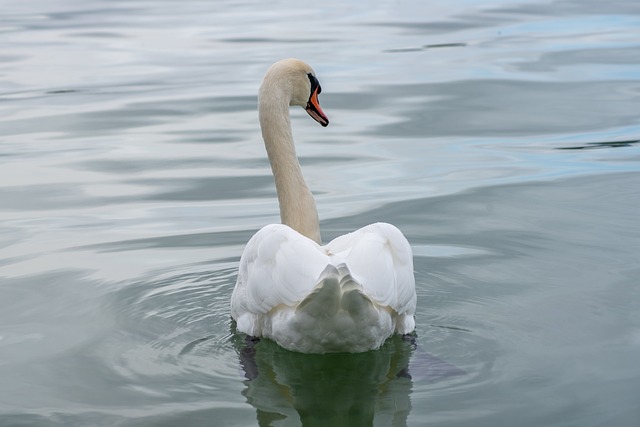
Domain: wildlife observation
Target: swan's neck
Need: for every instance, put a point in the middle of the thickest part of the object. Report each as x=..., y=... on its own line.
x=297, y=206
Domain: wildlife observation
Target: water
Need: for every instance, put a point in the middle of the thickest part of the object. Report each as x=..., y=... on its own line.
x=500, y=136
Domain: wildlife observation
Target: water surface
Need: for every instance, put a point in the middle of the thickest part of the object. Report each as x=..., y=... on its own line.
x=502, y=137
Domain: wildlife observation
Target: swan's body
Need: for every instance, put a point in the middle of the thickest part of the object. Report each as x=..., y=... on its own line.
x=347, y=296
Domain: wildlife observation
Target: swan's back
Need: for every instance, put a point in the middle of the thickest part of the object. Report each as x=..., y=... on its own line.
x=347, y=296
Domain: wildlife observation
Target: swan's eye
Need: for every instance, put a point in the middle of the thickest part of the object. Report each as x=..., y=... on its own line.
x=314, y=83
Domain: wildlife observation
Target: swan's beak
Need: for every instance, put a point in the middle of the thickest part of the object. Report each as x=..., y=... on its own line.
x=314, y=110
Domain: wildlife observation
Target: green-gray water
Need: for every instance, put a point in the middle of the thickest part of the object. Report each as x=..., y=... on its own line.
x=500, y=136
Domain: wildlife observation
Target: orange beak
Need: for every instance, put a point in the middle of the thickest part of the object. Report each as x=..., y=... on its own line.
x=314, y=110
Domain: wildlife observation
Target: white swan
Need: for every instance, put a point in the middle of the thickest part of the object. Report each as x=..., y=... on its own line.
x=349, y=295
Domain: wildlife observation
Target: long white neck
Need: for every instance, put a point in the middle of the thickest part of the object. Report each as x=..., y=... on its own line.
x=297, y=206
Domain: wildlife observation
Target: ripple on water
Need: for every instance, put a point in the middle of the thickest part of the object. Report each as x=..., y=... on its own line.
x=175, y=341
x=173, y=325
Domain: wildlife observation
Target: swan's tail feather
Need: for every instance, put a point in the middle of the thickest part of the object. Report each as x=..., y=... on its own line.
x=336, y=290
x=325, y=297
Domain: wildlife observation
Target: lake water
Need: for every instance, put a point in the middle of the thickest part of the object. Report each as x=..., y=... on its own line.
x=500, y=136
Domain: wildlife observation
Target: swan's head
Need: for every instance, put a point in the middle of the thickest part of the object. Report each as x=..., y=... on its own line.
x=297, y=80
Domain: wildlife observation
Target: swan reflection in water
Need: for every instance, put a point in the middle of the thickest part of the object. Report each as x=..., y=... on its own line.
x=339, y=389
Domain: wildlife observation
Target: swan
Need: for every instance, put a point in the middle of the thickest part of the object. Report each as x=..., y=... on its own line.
x=349, y=295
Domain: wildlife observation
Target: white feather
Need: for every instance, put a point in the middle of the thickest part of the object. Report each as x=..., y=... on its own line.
x=282, y=272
